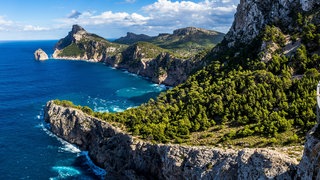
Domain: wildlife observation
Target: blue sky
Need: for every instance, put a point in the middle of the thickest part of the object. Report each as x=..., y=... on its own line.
x=52, y=19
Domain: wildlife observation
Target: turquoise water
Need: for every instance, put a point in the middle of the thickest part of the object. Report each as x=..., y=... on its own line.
x=27, y=149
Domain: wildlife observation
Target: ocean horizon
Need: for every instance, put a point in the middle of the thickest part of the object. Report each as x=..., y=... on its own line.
x=28, y=150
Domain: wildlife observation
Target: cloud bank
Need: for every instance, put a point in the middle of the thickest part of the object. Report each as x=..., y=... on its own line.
x=162, y=16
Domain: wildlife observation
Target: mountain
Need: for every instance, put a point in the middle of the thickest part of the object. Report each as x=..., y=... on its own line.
x=257, y=89
x=81, y=45
x=185, y=41
x=132, y=38
x=142, y=58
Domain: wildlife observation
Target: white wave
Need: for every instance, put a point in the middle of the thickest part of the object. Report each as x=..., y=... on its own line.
x=69, y=147
x=101, y=109
x=131, y=92
x=66, y=146
x=65, y=172
x=117, y=109
x=95, y=169
x=160, y=87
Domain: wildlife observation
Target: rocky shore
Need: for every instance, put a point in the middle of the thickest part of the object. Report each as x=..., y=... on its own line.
x=124, y=156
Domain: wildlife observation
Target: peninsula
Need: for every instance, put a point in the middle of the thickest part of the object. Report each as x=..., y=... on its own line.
x=255, y=95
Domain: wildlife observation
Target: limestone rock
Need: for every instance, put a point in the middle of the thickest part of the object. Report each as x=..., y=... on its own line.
x=130, y=158
x=253, y=15
x=40, y=55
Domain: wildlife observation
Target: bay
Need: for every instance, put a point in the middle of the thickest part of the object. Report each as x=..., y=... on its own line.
x=27, y=149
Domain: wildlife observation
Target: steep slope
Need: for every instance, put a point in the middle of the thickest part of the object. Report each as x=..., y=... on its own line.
x=127, y=157
x=243, y=97
x=185, y=41
x=258, y=90
x=142, y=58
x=81, y=45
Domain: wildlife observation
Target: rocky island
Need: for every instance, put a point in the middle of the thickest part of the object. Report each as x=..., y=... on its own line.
x=229, y=120
x=40, y=55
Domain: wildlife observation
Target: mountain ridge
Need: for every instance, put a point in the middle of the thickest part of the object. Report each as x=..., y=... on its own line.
x=184, y=41
x=142, y=58
x=251, y=93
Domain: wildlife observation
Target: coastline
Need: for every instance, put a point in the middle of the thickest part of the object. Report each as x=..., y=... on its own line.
x=123, y=155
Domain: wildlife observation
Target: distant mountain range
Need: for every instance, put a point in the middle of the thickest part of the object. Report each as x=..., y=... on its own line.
x=185, y=41
x=167, y=58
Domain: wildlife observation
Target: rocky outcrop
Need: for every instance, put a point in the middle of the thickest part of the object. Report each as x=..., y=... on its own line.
x=124, y=156
x=81, y=45
x=40, y=55
x=253, y=15
x=162, y=69
x=309, y=167
x=144, y=59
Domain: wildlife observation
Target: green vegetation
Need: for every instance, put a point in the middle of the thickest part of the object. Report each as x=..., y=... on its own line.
x=72, y=50
x=237, y=99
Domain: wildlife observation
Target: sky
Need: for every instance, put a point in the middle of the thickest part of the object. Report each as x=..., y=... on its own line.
x=53, y=19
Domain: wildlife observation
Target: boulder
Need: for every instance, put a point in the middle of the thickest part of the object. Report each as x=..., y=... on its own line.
x=40, y=55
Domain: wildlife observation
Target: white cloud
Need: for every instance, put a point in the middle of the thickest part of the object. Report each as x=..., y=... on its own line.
x=74, y=14
x=4, y=22
x=130, y=1
x=34, y=28
x=206, y=14
x=160, y=16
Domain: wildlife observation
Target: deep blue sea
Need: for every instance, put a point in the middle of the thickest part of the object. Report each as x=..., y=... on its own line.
x=27, y=149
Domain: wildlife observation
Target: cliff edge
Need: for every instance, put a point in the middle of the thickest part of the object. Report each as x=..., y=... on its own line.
x=124, y=156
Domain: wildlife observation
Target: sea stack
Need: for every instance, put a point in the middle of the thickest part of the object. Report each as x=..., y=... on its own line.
x=40, y=55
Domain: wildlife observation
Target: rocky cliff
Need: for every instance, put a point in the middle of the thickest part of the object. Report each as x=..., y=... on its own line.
x=124, y=156
x=145, y=59
x=253, y=15
x=158, y=64
x=40, y=55
x=81, y=45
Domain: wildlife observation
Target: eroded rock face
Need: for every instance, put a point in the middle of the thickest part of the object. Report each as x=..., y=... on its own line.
x=253, y=15
x=127, y=157
x=309, y=167
x=40, y=55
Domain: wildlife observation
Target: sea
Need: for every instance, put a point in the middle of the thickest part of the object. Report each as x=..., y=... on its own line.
x=28, y=150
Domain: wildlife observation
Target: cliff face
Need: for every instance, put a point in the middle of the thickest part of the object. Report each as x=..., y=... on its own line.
x=144, y=59
x=309, y=167
x=124, y=156
x=150, y=61
x=40, y=55
x=253, y=15
x=81, y=45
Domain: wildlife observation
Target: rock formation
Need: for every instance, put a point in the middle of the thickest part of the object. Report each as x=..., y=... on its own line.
x=81, y=45
x=252, y=16
x=124, y=156
x=40, y=55
x=144, y=59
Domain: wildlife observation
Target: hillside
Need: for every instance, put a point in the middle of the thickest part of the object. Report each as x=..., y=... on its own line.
x=81, y=45
x=142, y=58
x=258, y=89
x=185, y=42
